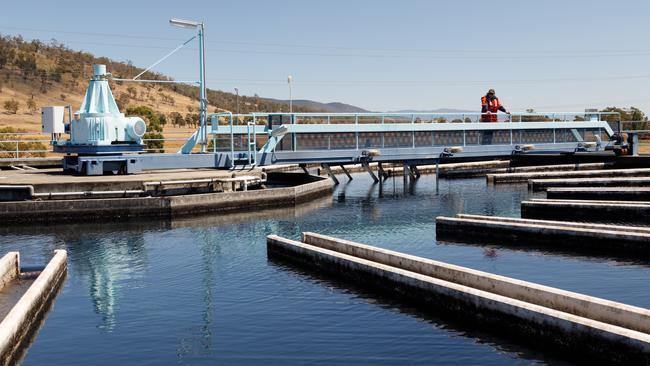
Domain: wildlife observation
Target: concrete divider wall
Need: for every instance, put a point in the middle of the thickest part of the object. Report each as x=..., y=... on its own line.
x=590, y=241
x=232, y=201
x=87, y=209
x=601, y=211
x=579, y=338
x=542, y=184
x=524, y=177
x=570, y=224
x=164, y=206
x=9, y=268
x=26, y=314
x=582, y=305
x=600, y=193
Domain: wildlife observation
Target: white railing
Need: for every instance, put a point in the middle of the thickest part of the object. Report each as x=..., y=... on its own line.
x=12, y=146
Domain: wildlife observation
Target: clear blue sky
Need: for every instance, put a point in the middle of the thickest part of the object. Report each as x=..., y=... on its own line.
x=380, y=55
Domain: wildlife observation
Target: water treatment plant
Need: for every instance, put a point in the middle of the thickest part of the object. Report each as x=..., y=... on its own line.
x=484, y=237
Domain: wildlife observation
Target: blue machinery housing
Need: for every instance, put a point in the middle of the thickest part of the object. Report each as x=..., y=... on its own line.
x=260, y=139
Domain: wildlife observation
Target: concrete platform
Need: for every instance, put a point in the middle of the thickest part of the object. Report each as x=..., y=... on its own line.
x=582, y=328
x=542, y=184
x=302, y=189
x=54, y=180
x=600, y=193
x=587, y=239
x=525, y=177
x=598, y=211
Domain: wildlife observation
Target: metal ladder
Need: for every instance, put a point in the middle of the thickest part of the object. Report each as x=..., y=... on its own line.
x=251, y=141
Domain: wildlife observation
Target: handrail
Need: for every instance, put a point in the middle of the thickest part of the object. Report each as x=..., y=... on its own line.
x=399, y=114
x=413, y=117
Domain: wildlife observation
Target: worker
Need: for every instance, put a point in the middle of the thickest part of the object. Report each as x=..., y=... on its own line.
x=490, y=105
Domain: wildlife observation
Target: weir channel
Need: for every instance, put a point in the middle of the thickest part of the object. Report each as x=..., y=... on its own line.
x=201, y=289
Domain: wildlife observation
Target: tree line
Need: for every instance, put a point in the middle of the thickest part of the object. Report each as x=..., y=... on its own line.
x=42, y=65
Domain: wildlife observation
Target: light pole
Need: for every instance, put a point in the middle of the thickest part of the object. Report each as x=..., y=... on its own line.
x=203, y=103
x=289, y=81
x=237, y=99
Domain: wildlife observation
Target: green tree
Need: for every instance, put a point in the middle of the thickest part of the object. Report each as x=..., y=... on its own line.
x=177, y=119
x=31, y=105
x=192, y=119
x=6, y=53
x=27, y=64
x=631, y=114
x=12, y=106
x=154, y=127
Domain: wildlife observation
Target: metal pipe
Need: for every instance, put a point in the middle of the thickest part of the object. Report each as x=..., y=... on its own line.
x=190, y=181
x=87, y=193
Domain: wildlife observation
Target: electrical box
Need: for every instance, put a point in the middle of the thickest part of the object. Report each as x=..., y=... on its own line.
x=52, y=119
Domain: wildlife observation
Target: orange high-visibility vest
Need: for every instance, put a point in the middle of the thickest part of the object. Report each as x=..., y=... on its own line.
x=493, y=107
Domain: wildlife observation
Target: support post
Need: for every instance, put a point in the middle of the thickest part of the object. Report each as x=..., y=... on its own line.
x=635, y=143
x=382, y=173
x=304, y=169
x=405, y=169
x=346, y=172
x=329, y=172
x=203, y=102
x=413, y=172
x=372, y=174
x=438, y=176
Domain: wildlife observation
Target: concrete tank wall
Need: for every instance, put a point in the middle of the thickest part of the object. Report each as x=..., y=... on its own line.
x=25, y=317
x=578, y=337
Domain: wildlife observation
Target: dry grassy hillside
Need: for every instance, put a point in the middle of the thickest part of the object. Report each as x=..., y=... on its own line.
x=29, y=120
x=36, y=74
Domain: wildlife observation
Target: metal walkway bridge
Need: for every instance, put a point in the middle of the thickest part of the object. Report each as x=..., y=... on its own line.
x=345, y=138
x=258, y=139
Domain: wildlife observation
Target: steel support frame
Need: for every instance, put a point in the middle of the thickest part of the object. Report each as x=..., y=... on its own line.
x=366, y=166
x=346, y=172
x=423, y=154
x=327, y=169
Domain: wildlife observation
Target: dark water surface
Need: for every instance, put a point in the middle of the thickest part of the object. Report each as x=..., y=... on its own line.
x=201, y=291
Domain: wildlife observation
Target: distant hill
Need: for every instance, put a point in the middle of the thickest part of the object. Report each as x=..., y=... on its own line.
x=439, y=110
x=335, y=107
x=35, y=74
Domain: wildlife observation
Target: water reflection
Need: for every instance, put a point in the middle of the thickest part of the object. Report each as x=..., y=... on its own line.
x=199, y=341
x=106, y=263
x=109, y=257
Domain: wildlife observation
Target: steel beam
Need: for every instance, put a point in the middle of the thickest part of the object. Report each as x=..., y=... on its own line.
x=329, y=172
x=382, y=173
x=346, y=172
x=366, y=166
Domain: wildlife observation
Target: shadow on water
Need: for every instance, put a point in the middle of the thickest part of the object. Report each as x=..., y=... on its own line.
x=499, y=341
x=588, y=254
